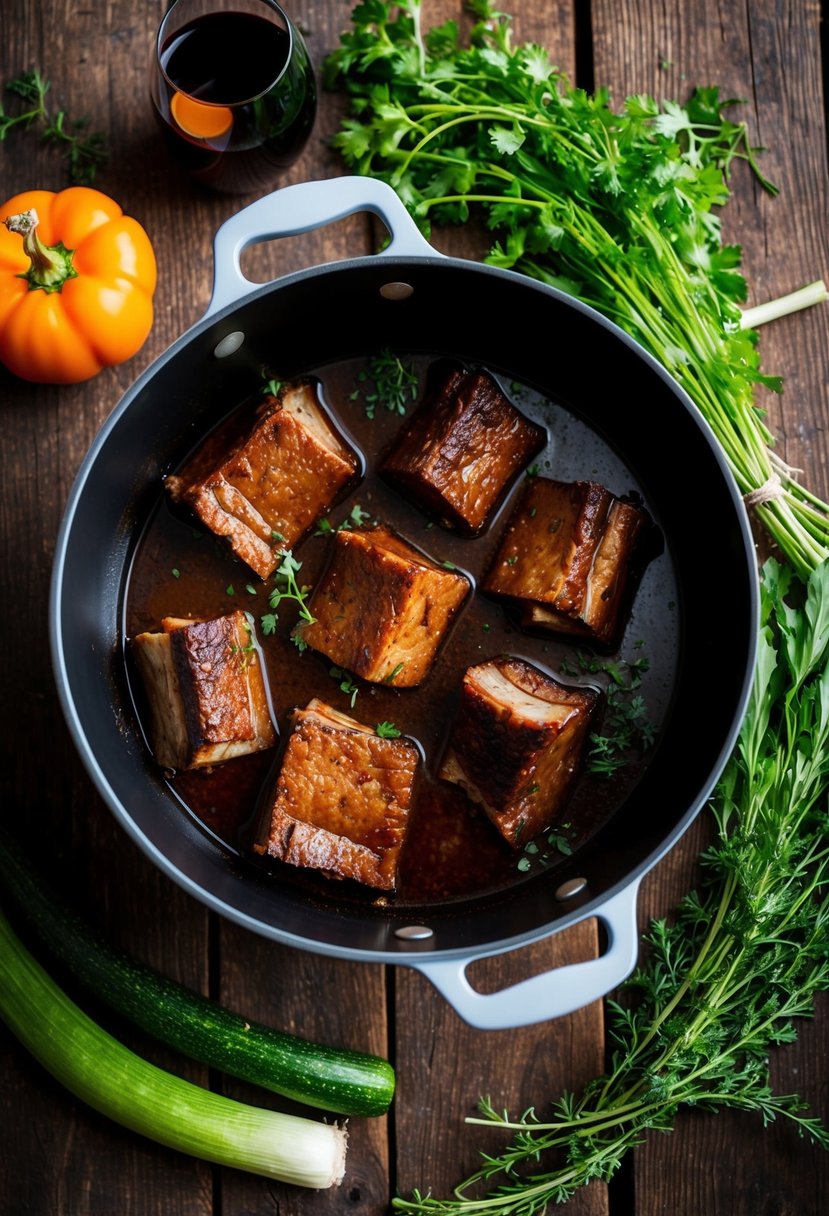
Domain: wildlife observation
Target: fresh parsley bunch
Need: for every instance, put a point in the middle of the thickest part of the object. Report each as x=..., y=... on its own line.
x=616, y=208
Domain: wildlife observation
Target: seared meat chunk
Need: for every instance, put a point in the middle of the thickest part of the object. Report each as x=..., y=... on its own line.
x=462, y=448
x=516, y=744
x=342, y=798
x=381, y=607
x=263, y=487
x=206, y=690
x=570, y=558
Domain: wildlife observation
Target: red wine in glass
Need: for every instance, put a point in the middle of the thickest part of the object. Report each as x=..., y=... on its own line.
x=234, y=92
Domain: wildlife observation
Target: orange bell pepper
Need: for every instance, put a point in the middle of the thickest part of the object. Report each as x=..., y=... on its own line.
x=76, y=292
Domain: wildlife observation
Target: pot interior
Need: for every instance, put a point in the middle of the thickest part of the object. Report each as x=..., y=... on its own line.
x=612, y=415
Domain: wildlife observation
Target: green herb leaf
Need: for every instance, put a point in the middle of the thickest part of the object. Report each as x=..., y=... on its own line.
x=356, y=518
x=346, y=683
x=387, y=730
x=84, y=152
x=285, y=587
x=725, y=979
x=395, y=384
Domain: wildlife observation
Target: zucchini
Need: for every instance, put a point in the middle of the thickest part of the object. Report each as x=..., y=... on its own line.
x=332, y=1079
x=135, y=1093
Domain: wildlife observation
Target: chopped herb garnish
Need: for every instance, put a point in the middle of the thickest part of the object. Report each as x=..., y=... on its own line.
x=560, y=842
x=387, y=730
x=230, y=589
x=249, y=587
x=545, y=852
x=176, y=573
x=346, y=683
x=627, y=732
x=272, y=388
x=355, y=519
x=395, y=384
x=247, y=653
x=393, y=674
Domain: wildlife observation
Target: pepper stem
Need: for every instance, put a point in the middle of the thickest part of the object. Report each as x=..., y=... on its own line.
x=51, y=265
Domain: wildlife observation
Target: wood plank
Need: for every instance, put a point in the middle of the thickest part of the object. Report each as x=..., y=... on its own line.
x=445, y=1067
x=330, y=1001
x=62, y=1156
x=59, y=1155
x=768, y=55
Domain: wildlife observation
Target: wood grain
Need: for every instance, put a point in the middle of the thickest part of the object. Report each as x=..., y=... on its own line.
x=768, y=56
x=60, y=1157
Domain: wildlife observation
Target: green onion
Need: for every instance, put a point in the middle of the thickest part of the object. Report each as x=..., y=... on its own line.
x=333, y=1079
x=98, y=1069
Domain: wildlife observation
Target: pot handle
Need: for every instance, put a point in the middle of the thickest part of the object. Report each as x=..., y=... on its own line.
x=553, y=993
x=301, y=208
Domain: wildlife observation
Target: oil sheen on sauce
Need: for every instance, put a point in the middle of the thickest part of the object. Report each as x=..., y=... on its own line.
x=451, y=850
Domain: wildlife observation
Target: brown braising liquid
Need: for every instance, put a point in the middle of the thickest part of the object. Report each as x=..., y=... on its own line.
x=451, y=849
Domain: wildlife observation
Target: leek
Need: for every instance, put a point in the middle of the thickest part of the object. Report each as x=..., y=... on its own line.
x=104, y=1073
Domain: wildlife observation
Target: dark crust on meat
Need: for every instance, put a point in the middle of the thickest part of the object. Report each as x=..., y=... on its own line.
x=521, y=770
x=207, y=690
x=208, y=661
x=261, y=483
x=464, y=424
x=570, y=559
x=342, y=800
x=381, y=602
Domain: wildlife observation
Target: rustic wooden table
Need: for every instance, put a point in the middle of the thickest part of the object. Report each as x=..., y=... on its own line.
x=60, y=1158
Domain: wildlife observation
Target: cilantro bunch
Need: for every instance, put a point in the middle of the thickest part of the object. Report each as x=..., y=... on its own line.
x=617, y=208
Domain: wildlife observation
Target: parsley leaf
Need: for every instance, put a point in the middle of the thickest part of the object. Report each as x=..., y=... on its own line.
x=346, y=682
x=286, y=587
x=387, y=730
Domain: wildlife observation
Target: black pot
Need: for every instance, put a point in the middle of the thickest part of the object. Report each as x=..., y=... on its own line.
x=411, y=298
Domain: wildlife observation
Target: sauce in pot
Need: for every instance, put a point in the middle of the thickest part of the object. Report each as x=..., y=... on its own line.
x=451, y=849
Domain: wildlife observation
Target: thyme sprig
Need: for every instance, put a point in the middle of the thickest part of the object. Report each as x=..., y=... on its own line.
x=84, y=151
x=727, y=978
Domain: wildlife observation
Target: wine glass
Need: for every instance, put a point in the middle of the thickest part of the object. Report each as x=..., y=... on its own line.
x=234, y=91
